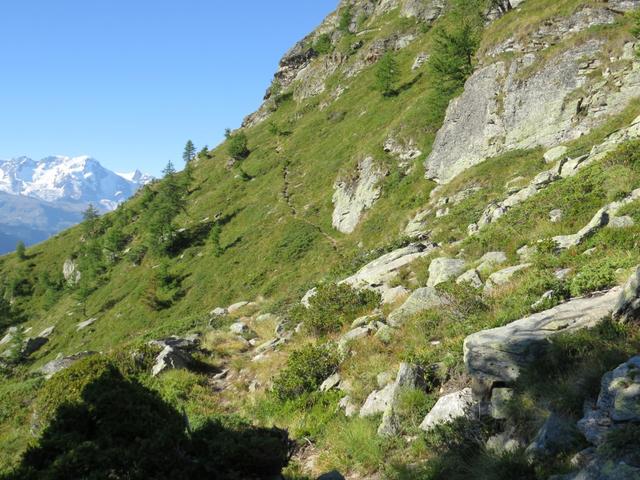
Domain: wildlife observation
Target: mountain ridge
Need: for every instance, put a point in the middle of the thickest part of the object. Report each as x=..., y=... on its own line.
x=57, y=189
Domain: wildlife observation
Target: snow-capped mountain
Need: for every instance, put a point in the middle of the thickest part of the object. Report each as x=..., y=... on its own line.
x=41, y=198
x=74, y=179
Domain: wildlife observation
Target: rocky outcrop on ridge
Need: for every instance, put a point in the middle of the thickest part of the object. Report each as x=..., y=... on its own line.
x=529, y=101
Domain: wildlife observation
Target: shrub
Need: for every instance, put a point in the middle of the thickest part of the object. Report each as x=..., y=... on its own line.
x=595, y=276
x=626, y=154
x=333, y=305
x=346, y=16
x=323, y=44
x=306, y=369
x=238, y=146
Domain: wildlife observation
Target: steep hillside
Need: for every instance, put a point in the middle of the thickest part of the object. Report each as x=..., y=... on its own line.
x=409, y=258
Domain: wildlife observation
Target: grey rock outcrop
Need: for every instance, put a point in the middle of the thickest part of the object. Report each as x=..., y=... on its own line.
x=554, y=30
x=49, y=369
x=510, y=106
x=404, y=152
x=353, y=197
x=409, y=377
x=502, y=277
x=557, y=435
x=555, y=153
x=9, y=335
x=470, y=277
x=628, y=305
x=33, y=344
x=599, y=220
x=420, y=300
x=450, y=407
x=380, y=272
x=490, y=260
x=231, y=309
x=175, y=354
x=496, y=356
x=70, y=272
x=239, y=328
x=377, y=401
x=444, y=269
x=618, y=402
x=170, y=359
x=86, y=323
x=555, y=215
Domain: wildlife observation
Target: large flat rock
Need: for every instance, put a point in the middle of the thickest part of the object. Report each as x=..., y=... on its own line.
x=497, y=355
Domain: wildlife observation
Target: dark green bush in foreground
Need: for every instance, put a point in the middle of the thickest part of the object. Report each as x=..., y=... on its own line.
x=112, y=426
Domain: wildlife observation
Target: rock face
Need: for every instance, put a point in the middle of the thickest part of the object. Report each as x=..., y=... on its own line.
x=175, y=353
x=86, y=323
x=70, y=272
x=628, y=306
x=409, y=377
x=496, y=356
x=448, y=408
x=470, y=277
x=352, y=197
x=444, y=269
x=502, y=277
x=170, y=359
x=378, y=273
x=565, y=168
x=556, y=435
x=618, y=402
x=420, y=300
x=508, y=106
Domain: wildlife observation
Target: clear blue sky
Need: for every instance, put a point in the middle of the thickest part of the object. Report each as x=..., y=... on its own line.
x=129, y=81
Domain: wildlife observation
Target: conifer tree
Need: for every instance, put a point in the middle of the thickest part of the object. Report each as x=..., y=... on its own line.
x=189, y=152
x=21, y=250
x=387, y=74
x=90, y=220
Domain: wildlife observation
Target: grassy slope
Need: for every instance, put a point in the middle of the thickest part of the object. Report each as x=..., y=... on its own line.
x=258, y=261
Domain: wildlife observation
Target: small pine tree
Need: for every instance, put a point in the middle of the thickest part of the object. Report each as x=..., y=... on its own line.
x=189, y=152
x=90, y=220
x=387, y=74
x=451, y=60
x=21, y=250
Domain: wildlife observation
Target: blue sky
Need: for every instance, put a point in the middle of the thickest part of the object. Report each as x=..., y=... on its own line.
x=129, y=81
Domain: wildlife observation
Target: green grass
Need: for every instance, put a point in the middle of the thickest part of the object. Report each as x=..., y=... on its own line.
x=276, y=241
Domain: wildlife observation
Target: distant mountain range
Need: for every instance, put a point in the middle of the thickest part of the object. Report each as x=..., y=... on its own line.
x=41, y=198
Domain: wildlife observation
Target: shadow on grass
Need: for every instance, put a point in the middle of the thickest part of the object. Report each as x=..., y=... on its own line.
x=121, y=429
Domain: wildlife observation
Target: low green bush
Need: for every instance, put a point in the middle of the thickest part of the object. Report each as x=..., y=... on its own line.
x=323, y=44
x=305, y=370
x=238, y=146
x=334, y=305
x=595, y=276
